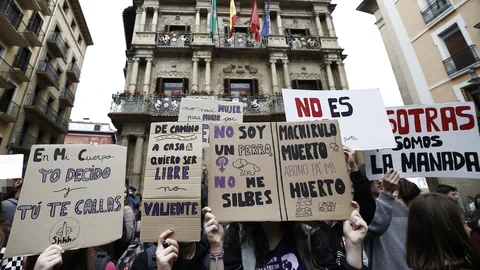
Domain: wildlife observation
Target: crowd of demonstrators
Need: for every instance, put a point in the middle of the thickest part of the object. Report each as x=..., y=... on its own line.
x=386, y=234
x=9, y=205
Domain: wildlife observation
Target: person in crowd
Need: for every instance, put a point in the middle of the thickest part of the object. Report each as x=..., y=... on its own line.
x=450, y=191
x=387, y=232
x=375, y=185
x=474, y=222
x=55, y=258
x=436, y=238
x=9, y=206
x=138, y=213
x=278, y=245
x=471, y=203
x=7, y=263
x=361, y=186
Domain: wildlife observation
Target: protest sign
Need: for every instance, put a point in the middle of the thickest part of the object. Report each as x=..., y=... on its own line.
x=11, y=166
x=72, y=196
x=360, y=113
x=173, y=175
x=278, y=172
x=439, y=140
x=209, y=111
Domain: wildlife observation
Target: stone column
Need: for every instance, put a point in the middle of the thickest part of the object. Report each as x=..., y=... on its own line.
x=208, y=84
x=143, y=20
x=209, y=18
x=274, y=76
x=319, y=24
x=137, y=160
x=341, y=73
x=128, y=74
x=138, y=18
x=147, y=79
x=331, y=81
x=124, y=141
x=197, y=21
x=286, y=75
x=133, y=77
x=195, y=75
x=155, y=20
x=331, y=29
x=279, y=23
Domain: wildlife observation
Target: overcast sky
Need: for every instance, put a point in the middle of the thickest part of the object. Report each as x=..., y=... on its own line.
x=367, y=63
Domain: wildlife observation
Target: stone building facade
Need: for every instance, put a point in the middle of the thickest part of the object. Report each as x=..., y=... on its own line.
x=170, y=54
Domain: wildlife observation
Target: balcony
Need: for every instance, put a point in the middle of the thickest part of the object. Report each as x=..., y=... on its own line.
x=23, y=69
x=56, y=44
x=38, y=109
x=47, y=75
x=73, y=73
x=461, y=60
x=29, y=4
x=6, y=72
x=170, y=106
x=304, y=43
x=9, y=111
x=23, y=143
x=67, y=98
x=174, y=39
x=144, y=38
x=435, y=9
x=240, y=41
x=46, y=6
x=33, y=32
x=10, y=20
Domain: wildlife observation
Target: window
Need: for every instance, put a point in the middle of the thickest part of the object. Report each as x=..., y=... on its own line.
x=39, y=137
x=35, y=23
x=473, y=94
x=177, y=28
x=6, y=99
x=96, y=128
x=53, y=140
x=22, y=59
x=239, y=88
x=73, y=25
x=172, y=86
x=461, y=54
x=432, y=9
x=65, y=7
x=80, y=40
x=307, y=84
x=237, y=29
x=297, y=32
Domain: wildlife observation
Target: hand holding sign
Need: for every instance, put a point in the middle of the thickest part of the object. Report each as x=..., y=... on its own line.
x=214, y=231
x=390, y=181
x=50, y=258
x=350, y=158
x=166, y=255
x=355, y=228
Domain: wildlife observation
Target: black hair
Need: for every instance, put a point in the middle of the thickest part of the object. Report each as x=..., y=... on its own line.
x=445, y=189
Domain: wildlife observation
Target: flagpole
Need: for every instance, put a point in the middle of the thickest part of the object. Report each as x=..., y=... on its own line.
x=218, y=33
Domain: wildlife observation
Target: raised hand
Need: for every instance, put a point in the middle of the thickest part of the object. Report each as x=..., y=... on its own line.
x=390, y=181
x=166, y=255
x=214, y=231
x=50, y=258
x=350, y=158
x=355, y=228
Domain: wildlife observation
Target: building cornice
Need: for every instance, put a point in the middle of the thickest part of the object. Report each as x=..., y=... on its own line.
x=81, y=21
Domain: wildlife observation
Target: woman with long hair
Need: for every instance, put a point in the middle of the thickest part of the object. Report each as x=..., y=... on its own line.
x=436, y=237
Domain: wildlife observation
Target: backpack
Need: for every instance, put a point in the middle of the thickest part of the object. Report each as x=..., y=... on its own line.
x=128, y=257
x=101, y=260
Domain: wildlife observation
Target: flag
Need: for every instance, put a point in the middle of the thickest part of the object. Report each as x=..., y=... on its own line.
x=213, y=20
x=233, y=17
x=266, y=23
x=255, y=22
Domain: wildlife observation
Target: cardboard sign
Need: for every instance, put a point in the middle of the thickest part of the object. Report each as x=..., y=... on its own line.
x=432, y=141
x=173, y=175
x=361, y=114
x=72, y=195
x=209, y=111
x=11, y=166
x=278, y=172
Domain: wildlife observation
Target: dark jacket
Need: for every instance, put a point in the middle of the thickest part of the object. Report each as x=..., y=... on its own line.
x=363, y=196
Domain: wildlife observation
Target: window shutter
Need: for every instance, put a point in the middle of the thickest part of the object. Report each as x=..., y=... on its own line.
x=294, y=84
x=319, y=85
x=166, y=29
x=256, y=90
x=186, y=85
x=188, y=28
x=158, y=87
x=226, y=86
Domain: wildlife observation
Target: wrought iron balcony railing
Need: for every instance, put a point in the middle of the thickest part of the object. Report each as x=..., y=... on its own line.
x=461, y=60
x=9, y=107
x=67, y=93
x=47, y=67
x=12, y=12
x=435, y=9
x=240, y=40
x=174, y=39
x=304, y=42
x=25, y=141
x=170, y=106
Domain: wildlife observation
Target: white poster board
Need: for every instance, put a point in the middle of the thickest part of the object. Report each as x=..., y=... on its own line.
x=360, y=113
x=209, y=111
x=439, y=140
x=11, y=166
